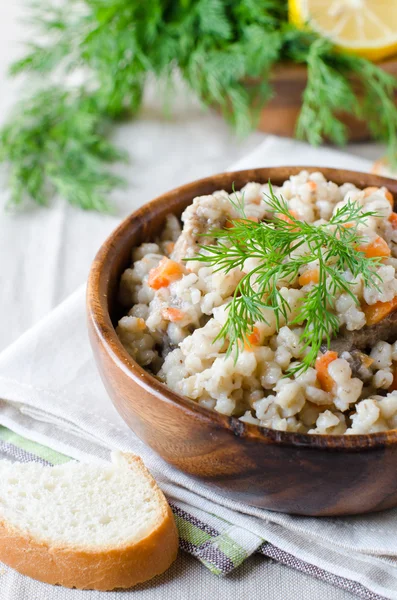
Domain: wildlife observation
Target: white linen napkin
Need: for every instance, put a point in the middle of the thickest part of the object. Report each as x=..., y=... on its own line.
x=51, y=393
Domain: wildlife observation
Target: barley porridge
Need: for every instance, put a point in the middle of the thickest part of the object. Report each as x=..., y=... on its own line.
x=181, y=315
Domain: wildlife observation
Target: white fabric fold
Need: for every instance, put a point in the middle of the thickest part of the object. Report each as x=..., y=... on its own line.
x=51, y=393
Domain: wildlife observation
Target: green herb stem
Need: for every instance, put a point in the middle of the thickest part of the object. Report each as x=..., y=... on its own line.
x=284, y=246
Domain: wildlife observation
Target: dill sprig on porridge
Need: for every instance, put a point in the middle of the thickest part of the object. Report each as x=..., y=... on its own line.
x=283, y=246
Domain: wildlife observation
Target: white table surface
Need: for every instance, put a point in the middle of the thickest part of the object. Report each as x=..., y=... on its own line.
x=164, y=153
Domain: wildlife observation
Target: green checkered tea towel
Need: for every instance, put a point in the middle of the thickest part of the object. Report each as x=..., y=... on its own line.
x=220, y=546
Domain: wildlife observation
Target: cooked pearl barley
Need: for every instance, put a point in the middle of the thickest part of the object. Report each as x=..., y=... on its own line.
x=317, y=395
x=331, y=423
x=382, y=379
x=367, y=413
x=139, y=310
x=388, y=405
x=225, y=406
x=326, y=421
x=283, y=357
x=349, y=313
x=379, y=204
x=388, y=289
x=309, y=377
x=262, y=406
x=135, y=338
x=382, y=355
x=339, y=370
x=277, y=423
x=249, y=418
x=290, y=339
x=193, y=363
x=254, y=396
x=310, y=413
x=271, y=375
x=172, y=331
x=290, y=398
x=348, y=394
x=144, y=250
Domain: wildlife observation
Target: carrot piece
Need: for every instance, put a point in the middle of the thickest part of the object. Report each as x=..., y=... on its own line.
x=172, y=314
x=141, y=323
x=393, y=386
x=287, y=219
x=253, y=339
x=324, y=378
x=393, y=220
x=366, y=360
x=376, y=312
x=376, y=248
x=312, y=185
x=165, y=273
x=309, y=276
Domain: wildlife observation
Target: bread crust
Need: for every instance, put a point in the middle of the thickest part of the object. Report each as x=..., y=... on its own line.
x=105, y=569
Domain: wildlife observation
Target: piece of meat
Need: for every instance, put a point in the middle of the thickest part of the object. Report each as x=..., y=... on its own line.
x=385, y=330
x=204, y=214
x=360, y=364
x=350, y=344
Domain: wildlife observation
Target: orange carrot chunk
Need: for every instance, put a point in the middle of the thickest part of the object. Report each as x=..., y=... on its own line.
x=285, y=218
x=309, y=276
x=165, y=273
x=376, y=312
x=322, y=363
x=141, y=324
x=393, y=220
x=172, y=314
x=377, y=248
x=312, y=185
x=253, y=339
x=366, y=360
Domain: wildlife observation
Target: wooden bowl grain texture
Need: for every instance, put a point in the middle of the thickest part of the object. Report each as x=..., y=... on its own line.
x=287, y=472
x=281, y=113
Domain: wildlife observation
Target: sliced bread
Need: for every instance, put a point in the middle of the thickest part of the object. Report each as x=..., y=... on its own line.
x=85, y=526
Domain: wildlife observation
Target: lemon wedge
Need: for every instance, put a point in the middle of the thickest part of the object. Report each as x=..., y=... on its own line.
x=365, y=27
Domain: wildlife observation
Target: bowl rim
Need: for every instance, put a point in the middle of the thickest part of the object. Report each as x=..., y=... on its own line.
x=100, y=320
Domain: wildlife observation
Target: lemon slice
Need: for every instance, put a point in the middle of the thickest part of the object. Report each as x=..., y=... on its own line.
x=364, y=27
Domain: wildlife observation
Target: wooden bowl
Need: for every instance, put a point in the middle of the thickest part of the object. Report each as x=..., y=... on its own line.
x=281, y=113
x=282, y=471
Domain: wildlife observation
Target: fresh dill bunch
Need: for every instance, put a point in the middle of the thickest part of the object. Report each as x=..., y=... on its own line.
x=342, y=83
x=283, y=245
x=224, y=53
x=118, y=45
x=57, y=146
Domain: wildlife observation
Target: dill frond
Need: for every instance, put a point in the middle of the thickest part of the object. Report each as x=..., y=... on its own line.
x=57, y=146
x=275, y=243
